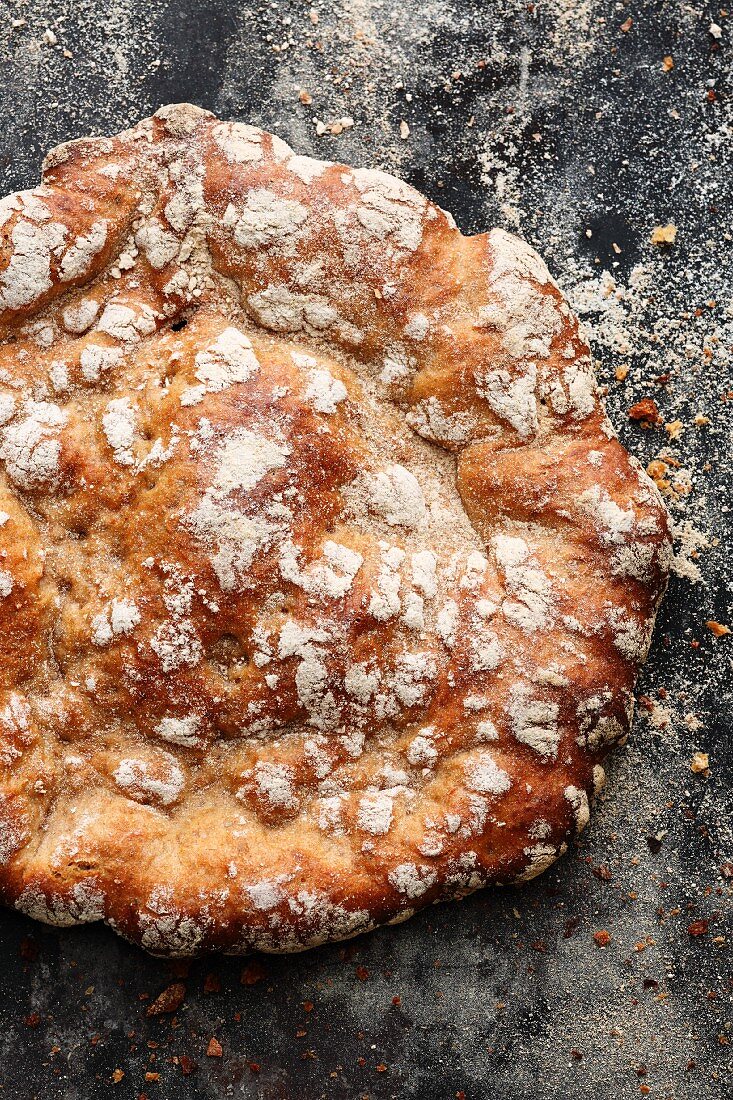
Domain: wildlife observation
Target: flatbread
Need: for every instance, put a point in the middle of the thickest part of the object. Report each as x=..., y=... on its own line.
x=324, y=580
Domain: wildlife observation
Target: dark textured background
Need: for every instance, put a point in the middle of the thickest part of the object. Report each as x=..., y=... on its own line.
x=556, y=119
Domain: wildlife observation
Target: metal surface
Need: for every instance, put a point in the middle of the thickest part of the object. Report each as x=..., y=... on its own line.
x=561, y=120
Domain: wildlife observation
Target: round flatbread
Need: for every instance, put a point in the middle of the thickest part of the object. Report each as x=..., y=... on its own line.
x=324, y=580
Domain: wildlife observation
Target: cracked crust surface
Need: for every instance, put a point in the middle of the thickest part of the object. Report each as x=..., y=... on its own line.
x=324, y=580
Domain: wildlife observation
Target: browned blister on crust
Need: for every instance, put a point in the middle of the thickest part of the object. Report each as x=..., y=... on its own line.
x=324, y=581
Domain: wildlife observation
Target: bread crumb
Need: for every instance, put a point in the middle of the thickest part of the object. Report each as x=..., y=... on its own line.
x=657, y=471
x=700, y=763
x=645, y=411
x=664, y=234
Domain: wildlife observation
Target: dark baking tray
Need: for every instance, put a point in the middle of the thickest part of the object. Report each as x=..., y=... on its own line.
x=562, y=120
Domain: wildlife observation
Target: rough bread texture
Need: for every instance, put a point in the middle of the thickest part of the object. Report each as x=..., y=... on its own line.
x=324, y=580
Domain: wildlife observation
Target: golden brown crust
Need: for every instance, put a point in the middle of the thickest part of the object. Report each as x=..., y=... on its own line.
x=324, y=581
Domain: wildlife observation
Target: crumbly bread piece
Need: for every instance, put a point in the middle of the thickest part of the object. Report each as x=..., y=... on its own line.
x=324, y=580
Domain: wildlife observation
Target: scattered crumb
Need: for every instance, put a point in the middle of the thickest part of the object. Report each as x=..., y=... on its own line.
x=664, y=234
x=645, y=411
x=700, y=763
x=170, y=1000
